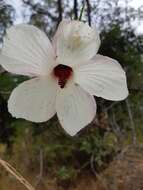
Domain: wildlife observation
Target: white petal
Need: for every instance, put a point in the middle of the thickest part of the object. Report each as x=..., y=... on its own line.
x=75, y=109
x=75, y=42
x=27, y=50
x=34, y=100
x=103, y=77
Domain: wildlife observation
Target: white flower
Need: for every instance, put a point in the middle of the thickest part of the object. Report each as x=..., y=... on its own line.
x=65, y=74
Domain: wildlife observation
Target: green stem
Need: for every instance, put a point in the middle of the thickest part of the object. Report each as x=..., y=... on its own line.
x=81, y=12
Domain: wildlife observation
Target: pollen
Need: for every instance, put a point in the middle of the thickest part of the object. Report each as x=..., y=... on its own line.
x=63, y=73
x=75, y=41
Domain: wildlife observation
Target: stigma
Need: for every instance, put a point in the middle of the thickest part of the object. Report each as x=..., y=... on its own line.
x=63, y=73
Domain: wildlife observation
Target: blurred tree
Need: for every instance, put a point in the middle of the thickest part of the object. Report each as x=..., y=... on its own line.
x=6, y=17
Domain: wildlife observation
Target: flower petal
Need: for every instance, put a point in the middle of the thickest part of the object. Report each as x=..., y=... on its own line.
x=27, y=51
x=34, y=100
x=103, y=77
x=75, y=109
x=75, y=42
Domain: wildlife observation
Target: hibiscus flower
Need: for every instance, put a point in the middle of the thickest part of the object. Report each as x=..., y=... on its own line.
x=64, y=75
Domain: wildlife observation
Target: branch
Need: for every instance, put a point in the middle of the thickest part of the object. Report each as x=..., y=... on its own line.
x=92, y=164
x=132, y=124
x=60, y=11
x=111, y=106
x=116, y=130
x=40, y=176
x=88, y=12
x=75, y=9
x=100, y=178
x=117, y=127
x=17, y=175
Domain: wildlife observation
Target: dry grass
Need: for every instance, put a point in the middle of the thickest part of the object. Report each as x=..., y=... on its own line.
x=87, y=182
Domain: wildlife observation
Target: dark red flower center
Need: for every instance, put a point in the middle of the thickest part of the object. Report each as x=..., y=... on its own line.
x=62, y=73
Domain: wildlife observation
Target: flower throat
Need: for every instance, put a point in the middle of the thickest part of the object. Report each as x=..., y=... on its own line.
x=62, y=73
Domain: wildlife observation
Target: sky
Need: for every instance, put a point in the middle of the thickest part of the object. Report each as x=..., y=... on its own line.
x=134, y=3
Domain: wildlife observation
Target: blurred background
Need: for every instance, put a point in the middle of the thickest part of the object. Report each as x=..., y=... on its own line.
x=107, y=154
